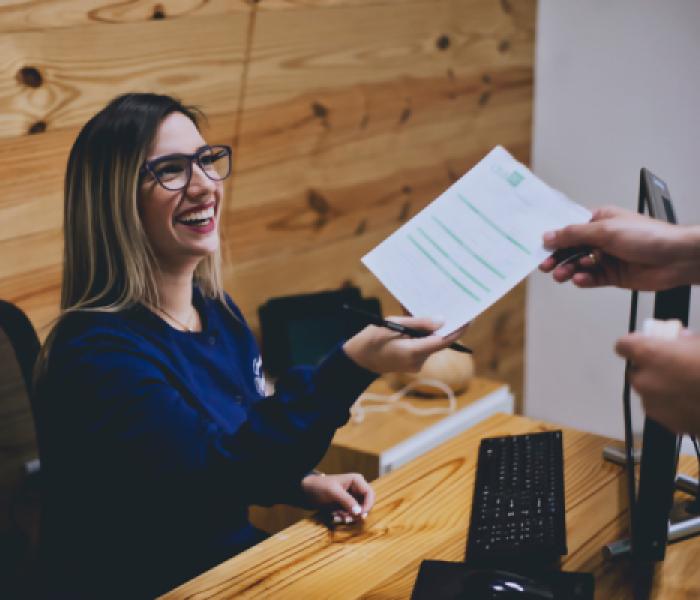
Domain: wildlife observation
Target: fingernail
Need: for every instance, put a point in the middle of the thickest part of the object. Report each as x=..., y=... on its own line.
x=356, y=510
x=548, y=237
x=337, y=519
x=348, y=520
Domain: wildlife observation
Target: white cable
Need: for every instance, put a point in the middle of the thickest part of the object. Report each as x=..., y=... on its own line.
x=383, y=403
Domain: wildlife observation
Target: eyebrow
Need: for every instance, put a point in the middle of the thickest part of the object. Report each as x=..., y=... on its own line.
x=176, y=154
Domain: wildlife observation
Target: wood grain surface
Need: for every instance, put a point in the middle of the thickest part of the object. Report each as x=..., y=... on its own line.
x=40, y=15
x=423, y=512
x=198, y=59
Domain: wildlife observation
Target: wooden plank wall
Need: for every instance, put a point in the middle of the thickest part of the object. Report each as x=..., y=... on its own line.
x=347, y=117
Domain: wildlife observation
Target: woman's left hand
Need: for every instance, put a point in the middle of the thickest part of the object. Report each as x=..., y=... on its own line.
x=348, y=496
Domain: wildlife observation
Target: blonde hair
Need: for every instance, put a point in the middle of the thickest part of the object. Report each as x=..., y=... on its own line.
x=108, y=263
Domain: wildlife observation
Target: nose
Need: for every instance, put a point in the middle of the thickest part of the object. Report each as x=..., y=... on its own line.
x=199, y=182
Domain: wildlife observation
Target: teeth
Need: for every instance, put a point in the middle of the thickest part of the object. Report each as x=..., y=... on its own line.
x=200, y=215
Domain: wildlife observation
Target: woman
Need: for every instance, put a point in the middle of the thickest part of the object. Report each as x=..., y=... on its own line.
x=155, y=432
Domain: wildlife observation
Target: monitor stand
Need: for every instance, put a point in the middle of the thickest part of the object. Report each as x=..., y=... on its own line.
x=679, y=530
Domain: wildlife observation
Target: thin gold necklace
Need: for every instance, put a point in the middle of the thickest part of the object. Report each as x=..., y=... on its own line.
x=184, y=326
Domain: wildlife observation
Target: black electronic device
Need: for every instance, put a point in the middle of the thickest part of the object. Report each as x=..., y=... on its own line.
x=518, y=513
x=651, y=498
x=504, y=585
x=652, y=505
x=301, y=329
x=442, y=580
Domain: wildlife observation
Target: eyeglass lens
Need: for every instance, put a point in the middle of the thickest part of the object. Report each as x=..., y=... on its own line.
x=174, y=172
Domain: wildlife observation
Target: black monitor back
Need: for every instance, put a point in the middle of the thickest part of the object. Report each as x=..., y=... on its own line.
x=659, y=445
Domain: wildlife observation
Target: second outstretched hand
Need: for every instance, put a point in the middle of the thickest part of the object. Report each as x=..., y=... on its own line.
x=628, y=250
x=382, y=350
x=666, y=374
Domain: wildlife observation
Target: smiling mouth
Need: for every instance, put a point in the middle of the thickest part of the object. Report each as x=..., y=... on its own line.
x=197, y=217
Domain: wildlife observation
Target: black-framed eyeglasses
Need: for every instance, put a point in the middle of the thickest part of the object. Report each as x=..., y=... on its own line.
x=174, y=171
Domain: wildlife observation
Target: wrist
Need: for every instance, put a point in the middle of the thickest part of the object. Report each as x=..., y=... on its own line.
x=310, y=475
x=689, y=256
x=353, y=350
x=689, y=248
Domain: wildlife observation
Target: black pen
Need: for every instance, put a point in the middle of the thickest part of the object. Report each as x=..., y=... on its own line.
x=567, y=255
x=409, y=331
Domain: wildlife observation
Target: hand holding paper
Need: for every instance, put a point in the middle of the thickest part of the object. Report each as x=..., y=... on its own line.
x=474, y=243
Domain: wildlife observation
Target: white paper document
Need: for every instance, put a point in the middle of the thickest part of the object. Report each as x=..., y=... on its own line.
x=473, y=243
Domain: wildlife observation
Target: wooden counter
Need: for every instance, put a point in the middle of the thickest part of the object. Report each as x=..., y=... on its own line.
x=384, y=441
x=423, y=512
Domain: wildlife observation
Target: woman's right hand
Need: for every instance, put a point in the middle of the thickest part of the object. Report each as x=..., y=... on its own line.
x=382, y=350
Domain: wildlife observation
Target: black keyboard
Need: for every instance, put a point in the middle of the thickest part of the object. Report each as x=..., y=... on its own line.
x=518, y=516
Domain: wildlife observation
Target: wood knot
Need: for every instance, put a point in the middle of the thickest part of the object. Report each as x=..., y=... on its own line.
x=361, y=227
x=38, y=127
x=504, y=46
x=319, y=110
x=405, y=211
x=320, y=205
x=443, y=42
x=30, y=76
x=158, y=12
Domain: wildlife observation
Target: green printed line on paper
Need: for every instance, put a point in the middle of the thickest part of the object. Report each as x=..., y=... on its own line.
x=464, y=245
x=455, y=264
x=488, y=221
x=431, y=258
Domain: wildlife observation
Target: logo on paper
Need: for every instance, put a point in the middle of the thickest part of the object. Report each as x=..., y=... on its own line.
x=515, y=178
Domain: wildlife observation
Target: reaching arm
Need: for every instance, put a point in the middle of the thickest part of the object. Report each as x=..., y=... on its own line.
x=629, y=251
x=138, y=420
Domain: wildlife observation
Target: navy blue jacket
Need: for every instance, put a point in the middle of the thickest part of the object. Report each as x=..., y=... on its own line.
x=153, y=443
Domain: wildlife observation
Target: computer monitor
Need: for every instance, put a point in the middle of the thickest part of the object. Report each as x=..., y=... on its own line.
x=651, y=503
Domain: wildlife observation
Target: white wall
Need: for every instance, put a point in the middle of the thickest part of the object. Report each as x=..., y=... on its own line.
x=617, y=87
